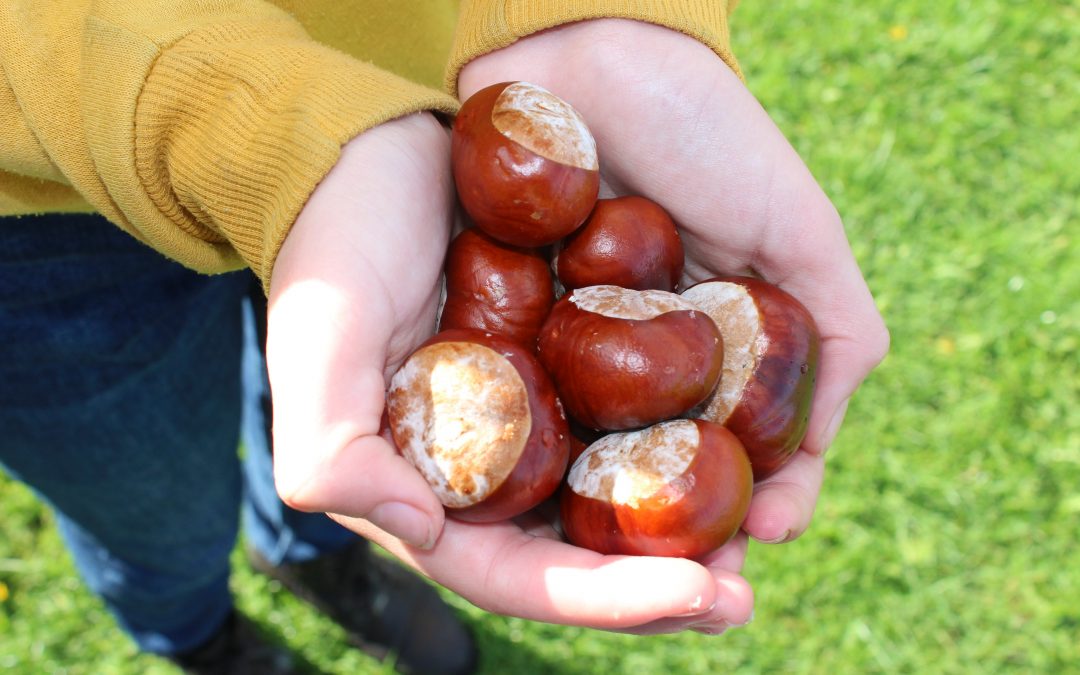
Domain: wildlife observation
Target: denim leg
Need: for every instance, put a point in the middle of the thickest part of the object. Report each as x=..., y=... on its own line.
x=281, y=534
x=119, y=402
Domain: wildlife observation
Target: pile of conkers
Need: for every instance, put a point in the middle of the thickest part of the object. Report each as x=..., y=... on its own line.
x=566, y=358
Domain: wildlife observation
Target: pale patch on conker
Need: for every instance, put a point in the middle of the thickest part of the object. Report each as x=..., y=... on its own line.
x=460, y=414
x=735, y=313
x=617, y=302
x=628, y=467
x=545, y=124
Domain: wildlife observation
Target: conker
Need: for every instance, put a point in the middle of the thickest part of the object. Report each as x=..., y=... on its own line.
x=496, y=287
x=771, y=347
x=680, y=488
x=626, y=241
x=524, y=163
x=478, y=417
x=622, y=358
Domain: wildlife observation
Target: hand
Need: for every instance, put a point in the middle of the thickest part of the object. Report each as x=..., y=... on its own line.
x=353, y=292
x=674, y=124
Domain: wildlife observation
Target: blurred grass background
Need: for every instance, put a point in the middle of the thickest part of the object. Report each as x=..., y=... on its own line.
x=948, y=135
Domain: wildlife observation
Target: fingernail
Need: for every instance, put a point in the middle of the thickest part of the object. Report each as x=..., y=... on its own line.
x=715, y=628
x=834, y=426
x=405, y=522
x=718, y=627
x=696, y=609
x=778, y=540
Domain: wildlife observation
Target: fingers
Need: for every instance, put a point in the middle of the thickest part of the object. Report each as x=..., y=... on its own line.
x=733, y=607
x=504, y=570
x=730, y=556
x=367, y=478
x=846, y=360
x=805, y=251
x=783, y=504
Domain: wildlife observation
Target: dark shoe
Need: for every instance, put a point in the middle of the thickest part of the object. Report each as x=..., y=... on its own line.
x=236, y=649
x=384, y=608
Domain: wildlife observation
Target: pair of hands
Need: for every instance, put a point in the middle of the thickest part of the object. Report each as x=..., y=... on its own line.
x=356, y=286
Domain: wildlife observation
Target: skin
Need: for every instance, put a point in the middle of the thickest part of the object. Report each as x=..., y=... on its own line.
x=356, y=285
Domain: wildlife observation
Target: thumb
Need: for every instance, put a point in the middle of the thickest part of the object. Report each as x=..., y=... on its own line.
x=364, y=478
x=325, y=359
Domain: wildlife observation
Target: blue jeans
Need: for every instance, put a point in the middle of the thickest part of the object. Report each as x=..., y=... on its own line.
x=126, y=383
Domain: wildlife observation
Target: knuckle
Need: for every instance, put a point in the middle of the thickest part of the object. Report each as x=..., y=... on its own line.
x=879, y=342
x=297, y=492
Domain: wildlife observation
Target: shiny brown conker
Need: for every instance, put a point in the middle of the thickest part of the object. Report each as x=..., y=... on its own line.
x=478, y=417
x=622, y=359
x=680, y=488
x=524, y=163
x=771, y=350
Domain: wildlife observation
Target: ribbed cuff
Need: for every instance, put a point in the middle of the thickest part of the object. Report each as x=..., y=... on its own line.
x=235, y=125
x=485, y=25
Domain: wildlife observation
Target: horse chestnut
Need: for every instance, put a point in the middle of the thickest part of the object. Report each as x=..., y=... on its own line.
x=476, y=414
x=771, y=347
x=626, y=241
x=496, y=287
x=622, y=358
x=524, y=163
x=680, y=488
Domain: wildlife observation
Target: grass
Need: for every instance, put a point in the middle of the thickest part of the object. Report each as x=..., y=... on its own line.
x=945, y=538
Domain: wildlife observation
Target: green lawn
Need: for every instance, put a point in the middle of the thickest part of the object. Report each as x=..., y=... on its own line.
x=948, y=134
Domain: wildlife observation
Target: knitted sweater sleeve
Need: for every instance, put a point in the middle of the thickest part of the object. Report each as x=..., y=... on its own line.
x=487, y=25
x=199, y=126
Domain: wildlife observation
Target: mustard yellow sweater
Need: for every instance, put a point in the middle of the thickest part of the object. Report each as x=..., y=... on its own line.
x=201, y=126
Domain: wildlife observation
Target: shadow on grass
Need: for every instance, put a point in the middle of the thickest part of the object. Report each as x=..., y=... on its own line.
x=272, y=636
x=498, y=655
x=501, y=655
